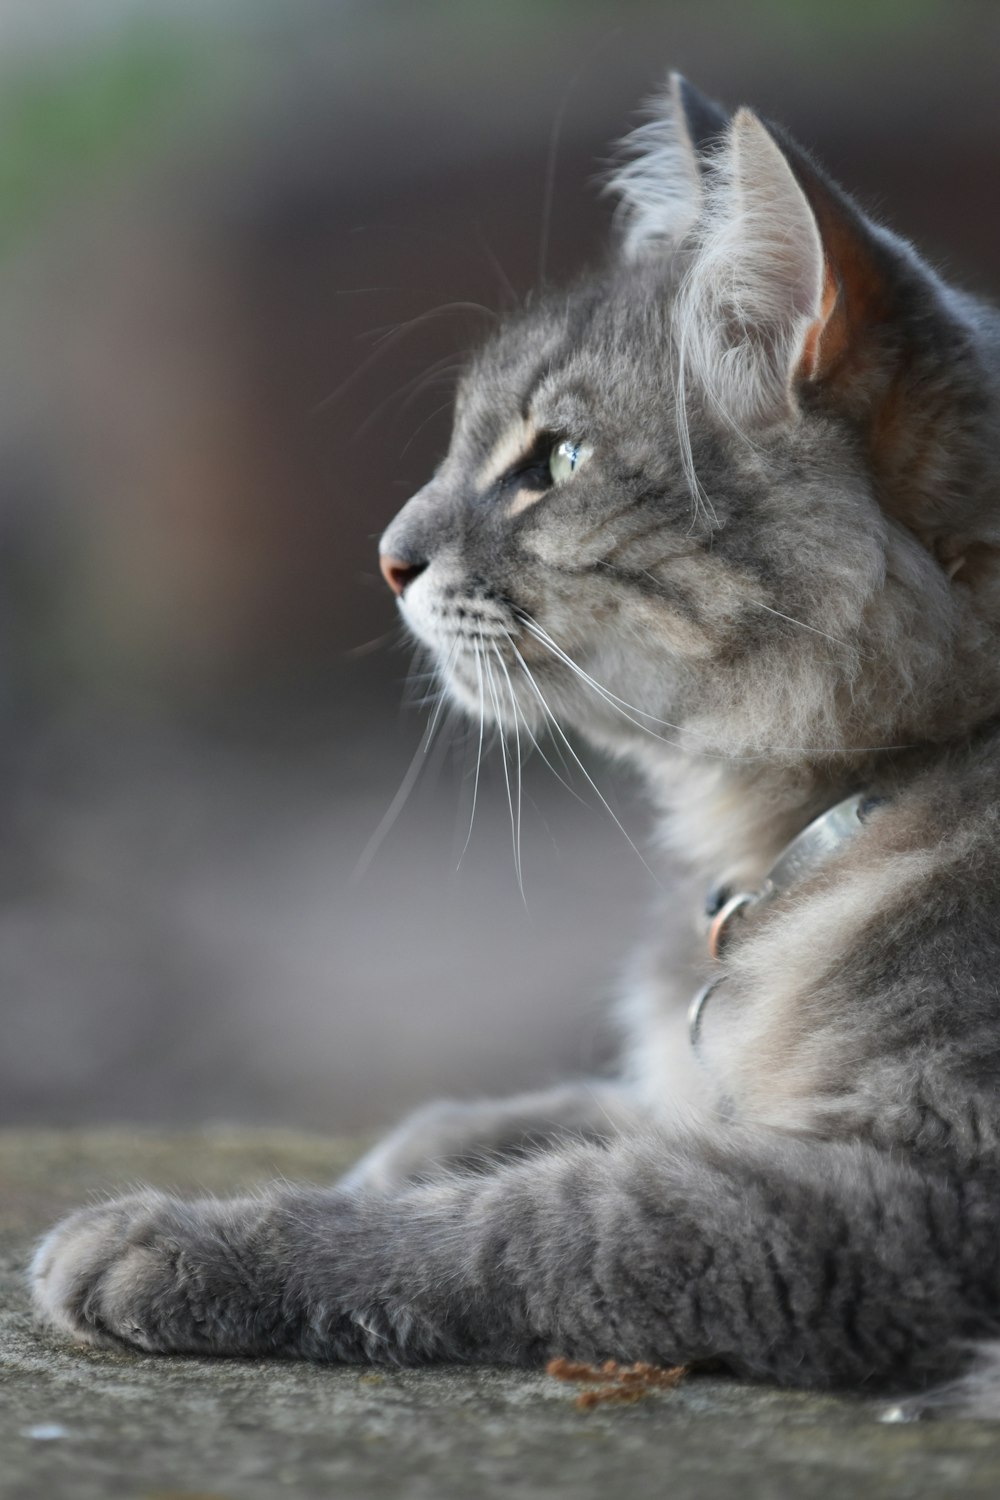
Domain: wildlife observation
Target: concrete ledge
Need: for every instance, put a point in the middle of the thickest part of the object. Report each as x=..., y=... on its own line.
x=97, y=1425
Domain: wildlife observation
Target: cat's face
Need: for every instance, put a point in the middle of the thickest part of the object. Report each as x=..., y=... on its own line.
x=659, y=518
x=662, y=601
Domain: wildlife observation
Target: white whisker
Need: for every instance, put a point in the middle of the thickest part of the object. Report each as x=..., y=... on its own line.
x=479, y=756
x=559, y=731
x=618, y=704
x=395, y=807
x=628, y=710
x=409, y=780
x=758, y=604
x=443, y=696
x=495, y=699
x=517, y=739
x=534, y=739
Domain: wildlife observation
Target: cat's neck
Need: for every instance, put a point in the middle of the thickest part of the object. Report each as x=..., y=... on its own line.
x=730, y=823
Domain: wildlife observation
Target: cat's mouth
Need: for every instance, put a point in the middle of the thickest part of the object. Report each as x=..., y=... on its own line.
x=447, y=621
x=501, y=664
x=486, y=651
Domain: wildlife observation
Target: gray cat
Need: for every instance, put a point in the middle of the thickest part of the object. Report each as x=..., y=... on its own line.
x=730, y=508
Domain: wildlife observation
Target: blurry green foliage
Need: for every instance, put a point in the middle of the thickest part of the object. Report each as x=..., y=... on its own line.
x=67, y=118
x=69, y=115
x=833, y=17
x=854, y=16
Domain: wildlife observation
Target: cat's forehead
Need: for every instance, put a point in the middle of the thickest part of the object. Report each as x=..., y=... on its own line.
x=571, y=364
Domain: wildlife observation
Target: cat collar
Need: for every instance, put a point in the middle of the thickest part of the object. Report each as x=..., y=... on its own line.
x=726, y=910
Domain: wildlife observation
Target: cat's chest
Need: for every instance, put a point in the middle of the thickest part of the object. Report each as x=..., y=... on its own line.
x=786, y=1016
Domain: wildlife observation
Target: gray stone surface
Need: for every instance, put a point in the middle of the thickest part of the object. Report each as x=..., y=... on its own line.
x=87, y=1424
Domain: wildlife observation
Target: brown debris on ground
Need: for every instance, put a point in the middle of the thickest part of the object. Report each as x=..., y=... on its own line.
x=614, y=1383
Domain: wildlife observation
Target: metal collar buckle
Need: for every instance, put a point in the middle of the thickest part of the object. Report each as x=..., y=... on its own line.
x=810, y=849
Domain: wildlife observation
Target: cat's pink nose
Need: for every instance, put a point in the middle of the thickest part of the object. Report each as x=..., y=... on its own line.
x=398, y=573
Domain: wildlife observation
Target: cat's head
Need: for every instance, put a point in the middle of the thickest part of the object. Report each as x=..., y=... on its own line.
x=733, y=492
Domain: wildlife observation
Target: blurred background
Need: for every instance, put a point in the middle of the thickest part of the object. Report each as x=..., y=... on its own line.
x=242, y=246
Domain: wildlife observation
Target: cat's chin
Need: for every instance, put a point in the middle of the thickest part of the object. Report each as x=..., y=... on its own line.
x=461, y=684
x=477, y=684
x=491, y=689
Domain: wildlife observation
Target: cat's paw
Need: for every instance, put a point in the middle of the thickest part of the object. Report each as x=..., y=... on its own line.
x=146, y=1271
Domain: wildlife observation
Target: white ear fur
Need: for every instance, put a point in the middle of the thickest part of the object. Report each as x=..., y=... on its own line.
x=658, y=181
x=755, y=286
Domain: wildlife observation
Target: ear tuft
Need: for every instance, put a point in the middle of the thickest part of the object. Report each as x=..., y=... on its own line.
x=707, y=122
x=755, y=291
x=659, y=180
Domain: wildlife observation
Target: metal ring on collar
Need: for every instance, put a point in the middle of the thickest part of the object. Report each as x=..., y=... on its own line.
x=718, y=932
x=696, y=1010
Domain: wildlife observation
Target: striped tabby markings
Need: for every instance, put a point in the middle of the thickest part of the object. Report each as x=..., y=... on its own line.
x=523, y=499
x=513, y=446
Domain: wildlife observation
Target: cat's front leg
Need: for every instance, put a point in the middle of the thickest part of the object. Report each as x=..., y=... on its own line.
x=771, y=1252
x=449, y=1136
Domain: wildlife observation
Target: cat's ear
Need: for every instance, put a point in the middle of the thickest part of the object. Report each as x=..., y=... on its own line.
x=659, y=178
x=788, y=282
x=753, y=307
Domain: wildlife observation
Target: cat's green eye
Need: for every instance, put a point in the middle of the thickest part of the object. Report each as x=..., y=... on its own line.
x=566, y=457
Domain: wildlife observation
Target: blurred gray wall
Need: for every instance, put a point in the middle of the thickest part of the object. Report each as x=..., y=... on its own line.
x=241, y=250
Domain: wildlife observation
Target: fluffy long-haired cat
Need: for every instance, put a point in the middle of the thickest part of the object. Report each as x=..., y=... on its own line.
x=729, y=508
